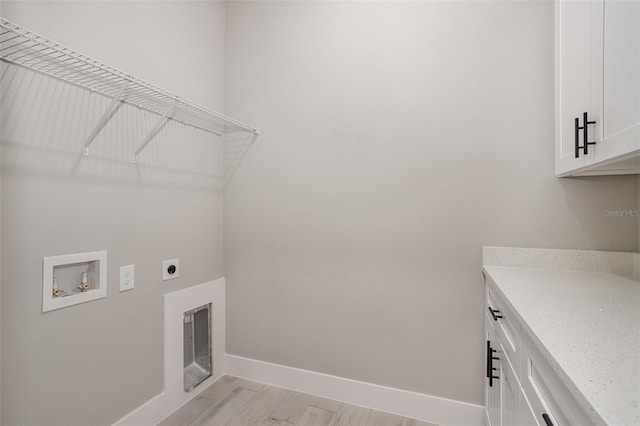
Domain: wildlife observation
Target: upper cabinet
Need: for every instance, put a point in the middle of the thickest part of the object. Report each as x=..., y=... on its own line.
x=597, y=86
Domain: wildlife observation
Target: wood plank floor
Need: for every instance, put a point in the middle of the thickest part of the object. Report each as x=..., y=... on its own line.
x=236, y=402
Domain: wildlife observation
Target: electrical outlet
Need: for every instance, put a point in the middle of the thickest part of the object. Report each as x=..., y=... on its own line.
x=170, y=269
x=126, y=277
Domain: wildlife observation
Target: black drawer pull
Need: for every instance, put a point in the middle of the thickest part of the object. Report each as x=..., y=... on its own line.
x=547, y=419
x=490, y=367
x=494, y=312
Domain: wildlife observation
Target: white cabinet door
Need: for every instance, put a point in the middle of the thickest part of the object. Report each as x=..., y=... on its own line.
x=527, y=417
x=572, y=79
x=509, y=395
x=492, y=392
x=597, y=66
x=616, y=78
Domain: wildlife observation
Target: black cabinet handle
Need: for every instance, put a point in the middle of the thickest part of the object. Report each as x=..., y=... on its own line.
x=490, y=367
x=585, y=135
x=547, y=419
x=494, y=312
x=577, y=136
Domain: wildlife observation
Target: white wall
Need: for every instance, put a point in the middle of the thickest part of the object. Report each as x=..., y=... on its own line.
x=95, y=362
x=398, y=138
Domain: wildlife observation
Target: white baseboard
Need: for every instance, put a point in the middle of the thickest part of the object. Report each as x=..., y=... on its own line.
x=428, y=408
x=161, y=406
x=173, y=395
x=419, y=406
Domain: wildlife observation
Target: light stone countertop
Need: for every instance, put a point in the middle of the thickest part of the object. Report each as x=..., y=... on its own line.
x=587, y=325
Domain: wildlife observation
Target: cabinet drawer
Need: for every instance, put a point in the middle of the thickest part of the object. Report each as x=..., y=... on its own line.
x=505, y=325
x=550, y=401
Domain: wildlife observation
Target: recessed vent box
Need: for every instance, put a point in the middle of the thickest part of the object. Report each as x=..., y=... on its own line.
x=197, y=346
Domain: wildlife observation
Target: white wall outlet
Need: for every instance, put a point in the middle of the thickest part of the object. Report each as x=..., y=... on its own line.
x=170, y=269
x=126, y=277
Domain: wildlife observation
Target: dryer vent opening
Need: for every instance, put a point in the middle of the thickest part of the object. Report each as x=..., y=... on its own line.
x=197, y=346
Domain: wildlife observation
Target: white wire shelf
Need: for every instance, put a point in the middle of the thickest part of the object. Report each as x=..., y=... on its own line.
x=26, y=49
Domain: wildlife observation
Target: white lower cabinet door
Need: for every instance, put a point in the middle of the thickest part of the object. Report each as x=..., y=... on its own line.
x=509, y=394
x=527, y=417
x=492, y=388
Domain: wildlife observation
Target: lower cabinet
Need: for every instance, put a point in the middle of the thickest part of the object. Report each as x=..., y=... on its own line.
x=502, y=391
x=520, y=386
x=493, y=373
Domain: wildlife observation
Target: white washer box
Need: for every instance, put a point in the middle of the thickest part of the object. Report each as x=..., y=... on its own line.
x=68, y=269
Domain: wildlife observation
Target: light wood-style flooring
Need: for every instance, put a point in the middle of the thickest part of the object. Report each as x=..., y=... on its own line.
x=235, y=402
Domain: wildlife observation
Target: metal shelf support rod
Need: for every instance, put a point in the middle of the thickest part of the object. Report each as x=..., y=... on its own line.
x=105, y=118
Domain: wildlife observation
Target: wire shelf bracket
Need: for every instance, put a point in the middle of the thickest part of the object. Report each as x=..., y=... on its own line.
x=104, y=120
x=163, y=120
x=26, y=49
